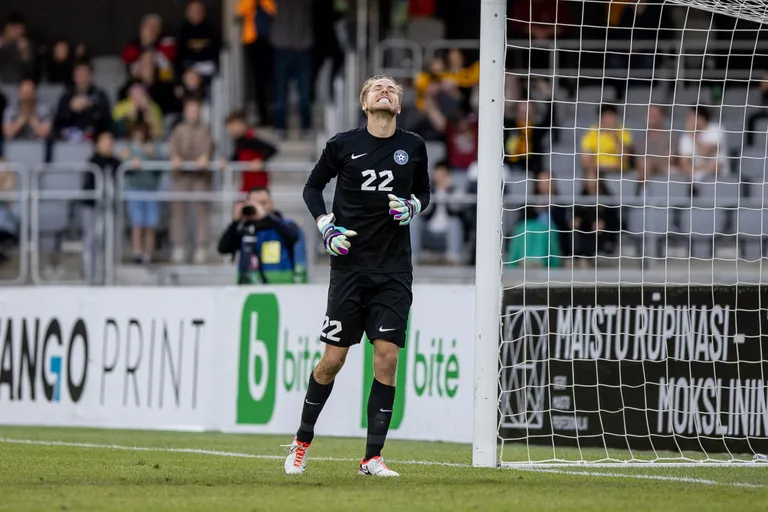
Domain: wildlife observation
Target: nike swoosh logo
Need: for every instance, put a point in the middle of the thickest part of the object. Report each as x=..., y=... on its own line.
x=385, y=410
x=382, y=329
x=355, y=157
x=311, y=403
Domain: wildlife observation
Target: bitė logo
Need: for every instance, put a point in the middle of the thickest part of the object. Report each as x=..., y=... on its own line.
x=257, y=372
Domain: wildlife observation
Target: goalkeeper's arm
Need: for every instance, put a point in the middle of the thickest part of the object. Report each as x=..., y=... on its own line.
x=325, y=169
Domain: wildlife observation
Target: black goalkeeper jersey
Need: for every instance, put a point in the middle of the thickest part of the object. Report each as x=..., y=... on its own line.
x=368, y=169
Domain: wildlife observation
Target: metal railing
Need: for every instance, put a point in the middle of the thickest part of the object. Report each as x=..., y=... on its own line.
x=50, y=184
x=41, y=194
x=18, y=197
x=677, y=50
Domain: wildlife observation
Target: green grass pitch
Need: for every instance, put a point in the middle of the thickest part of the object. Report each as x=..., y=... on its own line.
x=84, y=469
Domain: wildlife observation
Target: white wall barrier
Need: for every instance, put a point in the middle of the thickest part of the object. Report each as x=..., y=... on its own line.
x=229, y=359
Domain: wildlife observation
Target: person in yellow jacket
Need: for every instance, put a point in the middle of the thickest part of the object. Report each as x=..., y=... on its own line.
x=257, y=18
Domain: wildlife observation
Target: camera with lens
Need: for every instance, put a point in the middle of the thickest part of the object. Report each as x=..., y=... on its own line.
x=248, y=210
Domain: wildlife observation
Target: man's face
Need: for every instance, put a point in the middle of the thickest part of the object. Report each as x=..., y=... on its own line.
x=105, y=144
x=13, y=31
x=191, y=79
x=522, y=112
x=138, y=94
x=441, y=177
x=60, y=51
x=701, y=123
x=27, y=91
x=236, y=128
x=192, y=111
x=609, y=120
x=262, y=199
x=382, y=98
x=655, y=117
x=195, y=13
x=695, y=122
x=150, y=31
x=82, y=76
x=455, y=59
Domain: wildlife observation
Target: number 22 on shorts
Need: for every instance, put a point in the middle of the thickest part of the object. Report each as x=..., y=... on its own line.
x=335, y=328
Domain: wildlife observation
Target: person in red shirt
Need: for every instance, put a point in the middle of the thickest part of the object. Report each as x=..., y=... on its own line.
x=151, y=38
x=249, y=148
x=418, y=8
x=461, y=139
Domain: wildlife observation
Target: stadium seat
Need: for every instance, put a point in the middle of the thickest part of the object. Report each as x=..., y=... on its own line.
x=30, y=154
x=563, y=163
x=10, y=91
x=423, y=31
x=752, y=223
x=71, y=152
x=49, y=95
x=435, y=152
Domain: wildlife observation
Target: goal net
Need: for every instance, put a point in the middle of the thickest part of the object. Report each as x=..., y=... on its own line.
x=634, y=232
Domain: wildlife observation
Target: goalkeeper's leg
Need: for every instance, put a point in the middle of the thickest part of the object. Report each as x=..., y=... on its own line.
x=380, y=403
x=318, y=390
x=386, y=323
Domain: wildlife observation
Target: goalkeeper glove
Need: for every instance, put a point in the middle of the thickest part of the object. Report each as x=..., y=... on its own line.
x=403, y=210
x=335, y=238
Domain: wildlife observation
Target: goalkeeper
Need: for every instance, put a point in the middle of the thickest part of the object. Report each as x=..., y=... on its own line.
x=381, y=184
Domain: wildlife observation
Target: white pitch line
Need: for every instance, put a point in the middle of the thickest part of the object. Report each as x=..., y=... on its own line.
x=217, y=453
x=665, y=478
x=210, y=452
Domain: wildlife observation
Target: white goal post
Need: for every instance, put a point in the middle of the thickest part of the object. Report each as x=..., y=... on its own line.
x=621, y=299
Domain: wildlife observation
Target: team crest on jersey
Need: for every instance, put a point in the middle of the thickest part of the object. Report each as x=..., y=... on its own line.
x=401, y=157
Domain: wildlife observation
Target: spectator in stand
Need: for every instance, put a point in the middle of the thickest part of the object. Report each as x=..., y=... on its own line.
x=439, y=227
x=524, y=136
x=292, y=38
x=198, y=43
x=553, y=212
x=92, y=211
x=438, y=99
x=753, y=119
x=191, y=86
x=162, y=93
x=702, y=149
x=595, y=226
x=654, y=158
x=327, y=45
x=17, y=56
x=3, y=106
x=461, y=138
x=83, y=110
x=269, y=247
x=426, y=81
x=151, y=38
x=465, y=78
x=10, y=214
x=59, y=65
x=539, y=20
x=190, y=141
x=249, y=149
x=144, y=214
x=28, y=119
x=605, y=148
x=257, y=18
x=534, y=242
x=138, y=106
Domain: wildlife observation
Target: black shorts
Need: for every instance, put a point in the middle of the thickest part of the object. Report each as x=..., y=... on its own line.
x=364, y=302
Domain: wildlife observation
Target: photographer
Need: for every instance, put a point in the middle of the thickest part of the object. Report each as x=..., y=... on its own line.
x=271, y=249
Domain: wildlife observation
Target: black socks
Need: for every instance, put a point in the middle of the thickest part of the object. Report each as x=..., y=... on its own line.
x=317, y=395
x=380, y=403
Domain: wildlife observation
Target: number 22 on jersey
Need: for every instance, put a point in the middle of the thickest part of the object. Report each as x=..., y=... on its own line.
x=377, y=181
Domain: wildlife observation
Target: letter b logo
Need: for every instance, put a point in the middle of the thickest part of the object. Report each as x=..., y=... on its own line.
x=257, y=379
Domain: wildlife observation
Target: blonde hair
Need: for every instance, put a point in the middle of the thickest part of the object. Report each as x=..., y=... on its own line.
x=369, y=83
